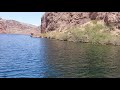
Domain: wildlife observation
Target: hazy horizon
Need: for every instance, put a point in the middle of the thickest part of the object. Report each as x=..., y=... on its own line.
x=33, y=18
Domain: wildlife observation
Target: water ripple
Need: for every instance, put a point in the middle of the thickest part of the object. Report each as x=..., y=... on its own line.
x=24, y=57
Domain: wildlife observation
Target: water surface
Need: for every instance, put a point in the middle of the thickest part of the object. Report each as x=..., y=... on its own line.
x=22, y=56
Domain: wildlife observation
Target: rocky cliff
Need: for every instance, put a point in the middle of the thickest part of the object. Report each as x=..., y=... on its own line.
x=15, y=27
x=94, y=27
x=61, y=20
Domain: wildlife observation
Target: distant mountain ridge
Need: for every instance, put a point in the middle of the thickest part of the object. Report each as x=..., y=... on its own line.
x=16, y=27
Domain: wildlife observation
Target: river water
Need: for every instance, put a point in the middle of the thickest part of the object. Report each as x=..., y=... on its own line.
x=22, y=56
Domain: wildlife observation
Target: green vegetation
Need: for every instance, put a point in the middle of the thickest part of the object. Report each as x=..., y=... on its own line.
x=94, y=32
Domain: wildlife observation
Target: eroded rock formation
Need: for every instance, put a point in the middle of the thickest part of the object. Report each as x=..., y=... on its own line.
x=61, y=20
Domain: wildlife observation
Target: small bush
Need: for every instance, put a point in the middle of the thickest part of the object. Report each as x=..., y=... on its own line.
x=94, y=21
x=61, y=36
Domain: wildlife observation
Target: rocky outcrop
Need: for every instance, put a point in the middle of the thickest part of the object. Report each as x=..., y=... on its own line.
x=15, y=27
x=61, y=20
x=3, y=26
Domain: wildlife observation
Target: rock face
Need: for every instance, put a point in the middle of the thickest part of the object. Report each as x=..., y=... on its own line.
x=15, y=27
x=61, y=20
x=2, y=28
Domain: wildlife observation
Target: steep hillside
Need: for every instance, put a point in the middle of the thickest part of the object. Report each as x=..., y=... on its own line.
x=15, y=27
x=94, y=27
x=62, y=20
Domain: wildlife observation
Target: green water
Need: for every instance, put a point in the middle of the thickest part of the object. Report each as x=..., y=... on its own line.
x=84, y=60
x=24, y=56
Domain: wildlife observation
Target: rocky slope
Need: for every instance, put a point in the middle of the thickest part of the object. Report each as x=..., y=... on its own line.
x=15, y=27
x=95, y=27
x=62, y=20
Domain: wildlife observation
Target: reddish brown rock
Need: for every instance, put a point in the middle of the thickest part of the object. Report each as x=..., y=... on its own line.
x=62, y=20
x=15, y=27
x=2, y=27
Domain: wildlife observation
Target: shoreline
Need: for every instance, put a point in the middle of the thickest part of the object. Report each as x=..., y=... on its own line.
x=95, y=33
x=79, y=42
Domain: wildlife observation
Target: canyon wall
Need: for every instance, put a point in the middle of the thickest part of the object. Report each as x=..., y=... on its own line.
x=61, y=20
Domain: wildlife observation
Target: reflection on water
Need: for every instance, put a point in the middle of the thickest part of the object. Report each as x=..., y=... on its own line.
x=70, y=59
x=23, y=56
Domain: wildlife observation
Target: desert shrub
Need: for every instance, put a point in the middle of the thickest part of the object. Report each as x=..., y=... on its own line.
x=97, y=33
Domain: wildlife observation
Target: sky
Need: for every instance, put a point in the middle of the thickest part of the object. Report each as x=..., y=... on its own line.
x=26, y=17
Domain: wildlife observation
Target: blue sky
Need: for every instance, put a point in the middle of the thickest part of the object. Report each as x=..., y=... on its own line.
x=26, y=17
